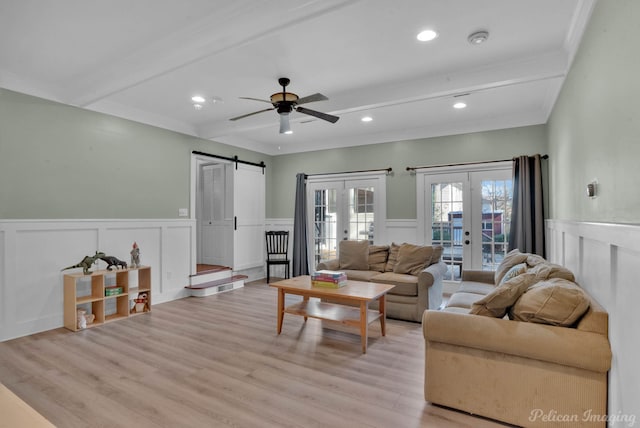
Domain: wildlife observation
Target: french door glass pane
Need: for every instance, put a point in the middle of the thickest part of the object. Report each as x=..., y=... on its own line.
x=447, y=224
x=361, y=215
x=497, y=196
x=325, y=224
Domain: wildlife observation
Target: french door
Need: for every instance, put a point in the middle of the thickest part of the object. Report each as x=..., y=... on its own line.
x=352, y=209
x=468, y=213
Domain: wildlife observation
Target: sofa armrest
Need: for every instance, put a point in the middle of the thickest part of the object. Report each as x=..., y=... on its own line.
x=486, y=276
x=430, y=287
x=333, y=264
x=560, y=345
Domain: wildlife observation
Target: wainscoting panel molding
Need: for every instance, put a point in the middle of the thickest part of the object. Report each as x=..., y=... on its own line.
x=605, y=258
x=32, y=253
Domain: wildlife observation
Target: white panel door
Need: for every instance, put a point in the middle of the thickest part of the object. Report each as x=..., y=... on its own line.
x=215, y=225
x=249, y=216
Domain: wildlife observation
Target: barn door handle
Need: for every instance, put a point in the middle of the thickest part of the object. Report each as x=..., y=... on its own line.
x=235, y=222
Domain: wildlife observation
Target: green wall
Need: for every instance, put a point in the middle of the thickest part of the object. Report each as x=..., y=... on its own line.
x=58, y=161
x=595, y=126
x=401, y=185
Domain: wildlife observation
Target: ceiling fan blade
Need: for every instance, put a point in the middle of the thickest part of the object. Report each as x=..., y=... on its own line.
x=318, y=114
x=255, y=99
x=312, y=98
x=251, y=114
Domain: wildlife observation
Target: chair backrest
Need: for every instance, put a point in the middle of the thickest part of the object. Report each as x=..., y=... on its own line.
x=277, y=244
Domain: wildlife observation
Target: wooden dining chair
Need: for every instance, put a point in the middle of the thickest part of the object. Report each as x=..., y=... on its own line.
x=278, y=250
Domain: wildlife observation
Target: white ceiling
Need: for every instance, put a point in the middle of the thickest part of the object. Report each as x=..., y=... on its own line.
x=144, y=59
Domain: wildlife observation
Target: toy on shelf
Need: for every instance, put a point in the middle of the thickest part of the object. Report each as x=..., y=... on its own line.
x=87, y=262
x=84, y=318
x=113, y=261
x=135, y=256
x=141, y=303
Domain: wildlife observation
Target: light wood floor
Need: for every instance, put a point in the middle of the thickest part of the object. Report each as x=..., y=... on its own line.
x=217, y=361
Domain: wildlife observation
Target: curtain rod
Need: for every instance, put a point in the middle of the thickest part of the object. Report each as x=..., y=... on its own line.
x=389, y=170
x=233, y=159
x=413, y=168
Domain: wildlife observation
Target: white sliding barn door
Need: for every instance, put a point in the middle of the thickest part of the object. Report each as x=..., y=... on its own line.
x=249, y=216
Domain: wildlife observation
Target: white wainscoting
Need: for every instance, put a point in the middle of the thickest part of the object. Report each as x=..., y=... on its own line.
x=605, y=258
x=32, y=252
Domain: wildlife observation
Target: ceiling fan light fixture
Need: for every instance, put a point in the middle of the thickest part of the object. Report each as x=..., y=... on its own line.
x=478, y=37
x=285, y=128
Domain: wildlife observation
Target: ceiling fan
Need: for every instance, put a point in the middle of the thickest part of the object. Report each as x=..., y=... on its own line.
x=285, y=102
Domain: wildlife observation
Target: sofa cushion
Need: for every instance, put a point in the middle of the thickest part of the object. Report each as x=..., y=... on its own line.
x=412, y=259
x=497, y=303
x=393, y=257
x=556, y=301
x=354, y=255
x=512, y=258
x=476, y=287
x=463, y=300
x=378, y=255
x=360, y=275
x=406, y=285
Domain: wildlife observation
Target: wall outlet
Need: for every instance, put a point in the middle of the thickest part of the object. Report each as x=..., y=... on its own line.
x=183, y=212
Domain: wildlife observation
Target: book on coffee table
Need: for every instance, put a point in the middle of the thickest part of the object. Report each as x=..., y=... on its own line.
x=328, y=278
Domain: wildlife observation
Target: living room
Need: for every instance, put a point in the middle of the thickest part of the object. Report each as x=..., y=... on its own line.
x=74, y=179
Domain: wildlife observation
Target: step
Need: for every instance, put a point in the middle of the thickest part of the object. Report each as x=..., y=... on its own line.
x=210, y=275
x=217, y=286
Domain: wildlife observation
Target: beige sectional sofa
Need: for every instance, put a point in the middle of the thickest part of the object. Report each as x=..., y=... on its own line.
x=530, y=350
x=416, y=271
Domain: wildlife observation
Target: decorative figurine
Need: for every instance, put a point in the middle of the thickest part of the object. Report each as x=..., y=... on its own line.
x=135, y=256
x=87, y=262
x=113, y=261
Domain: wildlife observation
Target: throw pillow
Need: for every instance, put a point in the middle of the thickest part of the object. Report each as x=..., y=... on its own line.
x=555, y=301
x=354, y=255
x=412, y=259
x=497, y=303
x=378, y=255
x=512, y=258
x=513, y=272
x=436, y=255
x=393, y=257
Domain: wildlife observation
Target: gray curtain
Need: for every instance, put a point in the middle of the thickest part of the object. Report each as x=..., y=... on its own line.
x=300, y=262
x=527, y=216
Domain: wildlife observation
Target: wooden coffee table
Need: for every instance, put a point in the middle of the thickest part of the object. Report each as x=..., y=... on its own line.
x=355, y=292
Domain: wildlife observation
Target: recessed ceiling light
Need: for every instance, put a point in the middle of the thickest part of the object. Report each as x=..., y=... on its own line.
x=426, y=35
x=459, y=105
x=198, y=99
x=367, y=119
x=478, y=37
